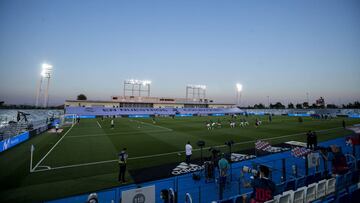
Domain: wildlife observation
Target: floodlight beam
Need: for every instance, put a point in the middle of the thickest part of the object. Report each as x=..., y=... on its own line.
x=239, y=87
x=45, y=73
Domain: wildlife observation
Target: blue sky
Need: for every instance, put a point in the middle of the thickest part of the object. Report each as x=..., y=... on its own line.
x=280, y=48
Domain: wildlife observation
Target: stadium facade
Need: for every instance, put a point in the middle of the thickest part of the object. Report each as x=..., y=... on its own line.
x=148, y=102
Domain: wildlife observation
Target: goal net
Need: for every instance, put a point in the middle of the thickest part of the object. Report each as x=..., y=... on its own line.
x=68, y=119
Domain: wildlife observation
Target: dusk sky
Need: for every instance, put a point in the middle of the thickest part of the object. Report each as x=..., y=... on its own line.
x=280, y=48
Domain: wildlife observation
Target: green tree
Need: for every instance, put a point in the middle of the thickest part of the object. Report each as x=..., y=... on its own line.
x=277, y=105
x=259, y=106
x=331, y=106
x=81, y=97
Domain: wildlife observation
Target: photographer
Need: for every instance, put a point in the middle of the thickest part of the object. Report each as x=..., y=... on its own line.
x=337, y=158
x=263, y=187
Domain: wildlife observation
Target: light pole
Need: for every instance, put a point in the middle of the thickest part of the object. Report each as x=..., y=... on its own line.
x=137, y=86
x=195, y=92
x=45, y=74
x=238, y=93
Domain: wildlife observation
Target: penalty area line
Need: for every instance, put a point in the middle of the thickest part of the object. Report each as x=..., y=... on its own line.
x=98, y=124
x=52, y=148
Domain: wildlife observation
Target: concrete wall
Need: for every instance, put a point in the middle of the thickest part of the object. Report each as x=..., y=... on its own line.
x=91, y=103
x=168, y=105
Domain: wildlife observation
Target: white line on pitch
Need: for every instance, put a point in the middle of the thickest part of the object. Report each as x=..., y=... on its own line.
x=119, y=133
x=75, y=165
x=176, y=152
x=98, y=124
x=52, y=148
x=157, y=126
x=274, y=138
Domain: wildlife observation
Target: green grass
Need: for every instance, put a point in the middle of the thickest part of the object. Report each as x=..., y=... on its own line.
x=88, y=143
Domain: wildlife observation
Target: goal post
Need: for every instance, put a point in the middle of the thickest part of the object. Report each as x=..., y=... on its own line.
x=68, y=119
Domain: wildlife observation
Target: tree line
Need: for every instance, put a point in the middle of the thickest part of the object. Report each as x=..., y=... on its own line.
x=305, y=105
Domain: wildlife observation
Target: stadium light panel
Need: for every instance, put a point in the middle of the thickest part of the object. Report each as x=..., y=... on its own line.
x=239, y=87
x=146, y=82
x=197, y=86
x=46, y=69
x=138, y=82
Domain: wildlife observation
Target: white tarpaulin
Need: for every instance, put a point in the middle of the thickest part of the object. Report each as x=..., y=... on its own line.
x=296, y=143
x=313, y=159
x=139, y=195
x=355, y=129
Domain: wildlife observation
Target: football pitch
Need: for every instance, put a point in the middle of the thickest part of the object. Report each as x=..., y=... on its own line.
x=83, y=157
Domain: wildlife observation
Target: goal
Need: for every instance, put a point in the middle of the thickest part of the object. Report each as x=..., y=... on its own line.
x=69, y=119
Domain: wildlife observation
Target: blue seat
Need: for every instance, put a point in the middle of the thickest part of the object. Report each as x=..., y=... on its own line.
x=317, y=177
x=355, y=196
x=239, y=199
x=340, y=182
x=280, y=188
x=290, y=185
x=227, y=201
x=352, y=188
x=344, y=198
x=348, y=178
x=300, y=182
x=355, y=177
x=310, y=179
x=329, y=198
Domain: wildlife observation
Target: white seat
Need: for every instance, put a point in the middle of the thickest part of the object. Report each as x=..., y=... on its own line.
x=271, y=201
x=321, y=189
x=276, y=198
x=299, y=195
x=330, y=185
x=286, y=197
x=311, y=192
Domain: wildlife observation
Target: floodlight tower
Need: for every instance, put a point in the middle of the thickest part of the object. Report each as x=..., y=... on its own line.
x=45, y=75
x=238, y=93
x=137, y=86
x=195, y=91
